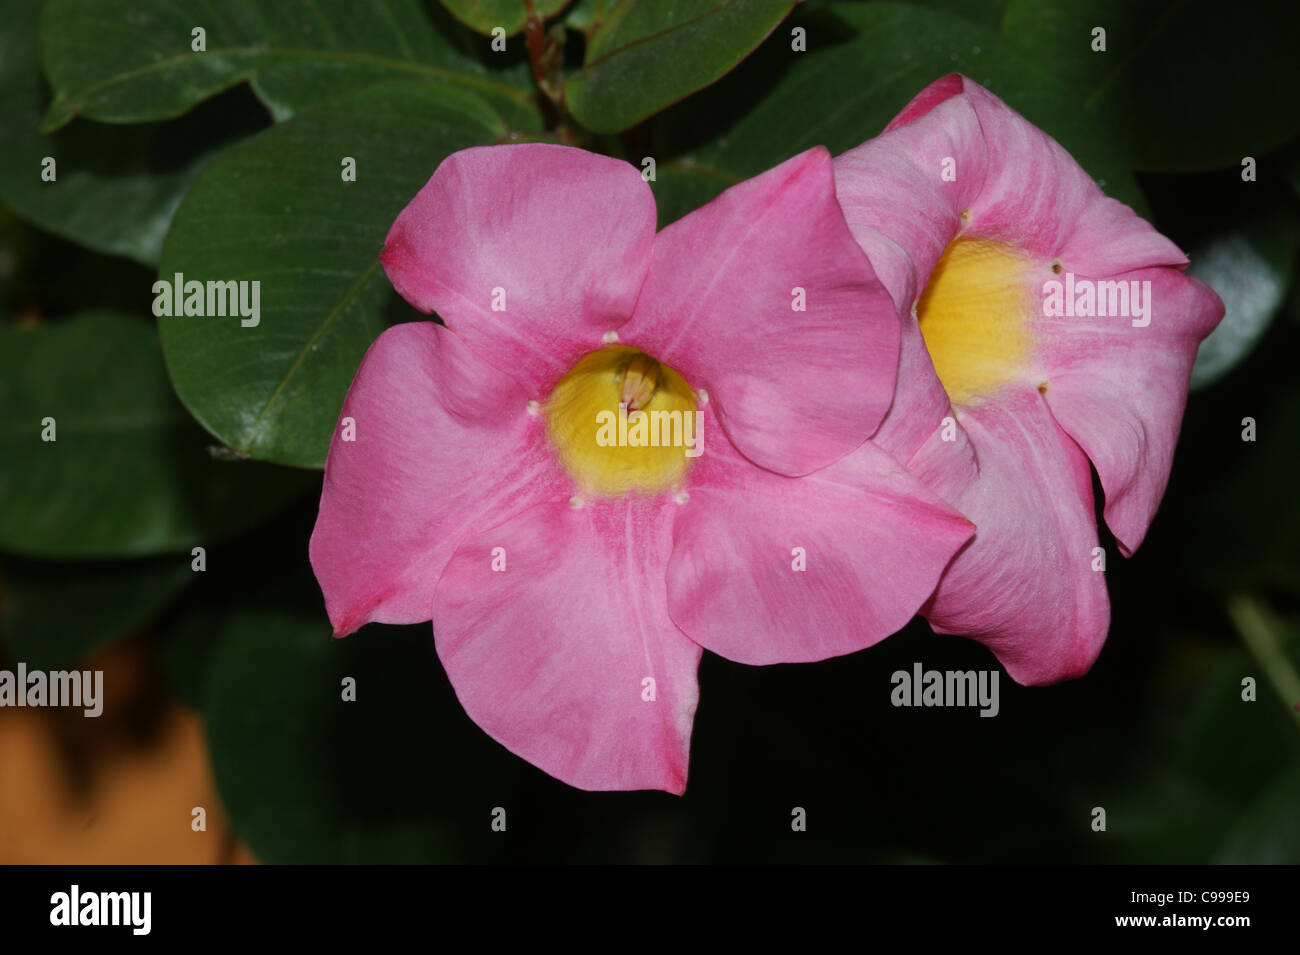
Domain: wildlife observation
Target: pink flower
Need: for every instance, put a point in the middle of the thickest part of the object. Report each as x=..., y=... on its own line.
x=998, y=243
x=571, y=583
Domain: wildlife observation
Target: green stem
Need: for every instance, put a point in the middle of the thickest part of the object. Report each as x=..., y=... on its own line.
x=1261, y=632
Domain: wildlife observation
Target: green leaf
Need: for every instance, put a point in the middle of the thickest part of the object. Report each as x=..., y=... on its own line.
x=275, y=210
x=1251, y=268
x=187, y=639
x=643, y=57
x=128, y=473
x=864, y=63
x=486, y=15
x=116, y=188
x=309, y=777
x=1182, y=84
x=54, y=614
x=132, y=60
x=987, y=13
x=1202, y=786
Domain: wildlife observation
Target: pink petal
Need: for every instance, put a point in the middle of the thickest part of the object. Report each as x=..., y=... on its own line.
x=871, y=538
x=564, y=234
x=899, y=206
x=1015, y=183
x=551, y=655
x=903, y=213
x=794, y=390
x=1119, y=391
x=442, y=441
x=1036, y=197
x=1024, y=586
x=920, y=403
x=944, y=88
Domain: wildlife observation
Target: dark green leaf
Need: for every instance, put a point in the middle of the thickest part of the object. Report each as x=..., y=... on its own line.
x=644, y=56
x=116, y=188
x=1182, y=84
x=987, y=13
x=486, y=15
x=864, y=63
x=309, y=777
x=1204, y=785
x=133, y=61
x=187, y=641
x=53, y=614
x=275, y=210
x=128, y=472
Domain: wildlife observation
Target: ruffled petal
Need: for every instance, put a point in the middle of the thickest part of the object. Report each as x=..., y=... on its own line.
x=1025, y=585
x=903, y=192
x=1119, y=389
x=1037, y=198
x=774, y=569
x=794, y=387
x=440, y=438
x=529, y=252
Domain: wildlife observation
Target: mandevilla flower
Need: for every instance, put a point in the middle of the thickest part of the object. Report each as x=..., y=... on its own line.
x=505, y=479
x=1056, y=327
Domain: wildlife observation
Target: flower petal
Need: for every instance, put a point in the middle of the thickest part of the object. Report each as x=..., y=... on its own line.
x=903, y=211
x=774, y=569
x=551, y=655
x=1119, y=391
x=441, y=438
x=1012, y=181
x=1024, y=586
x=794, y=389
x=529, y=252
x=901, y=206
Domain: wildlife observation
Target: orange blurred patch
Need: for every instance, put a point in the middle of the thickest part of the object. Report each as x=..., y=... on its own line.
x=118, y=789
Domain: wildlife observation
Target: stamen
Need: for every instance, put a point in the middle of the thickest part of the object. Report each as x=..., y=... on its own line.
x=638, y=381
x=622, y=422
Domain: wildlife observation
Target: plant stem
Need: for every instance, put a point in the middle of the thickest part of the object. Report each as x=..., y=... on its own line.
x=1261, y=631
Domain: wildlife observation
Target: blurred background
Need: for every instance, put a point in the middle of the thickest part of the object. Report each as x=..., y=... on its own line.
x=222, y=685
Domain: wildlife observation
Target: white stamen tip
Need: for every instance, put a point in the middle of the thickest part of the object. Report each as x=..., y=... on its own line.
x=681, y=497
x=575, y=502
x=534, y=408
x=703, y=397
x=609, y=338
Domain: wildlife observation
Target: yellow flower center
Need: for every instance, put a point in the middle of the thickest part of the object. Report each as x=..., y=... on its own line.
x=622, y=422
x=974, y=316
